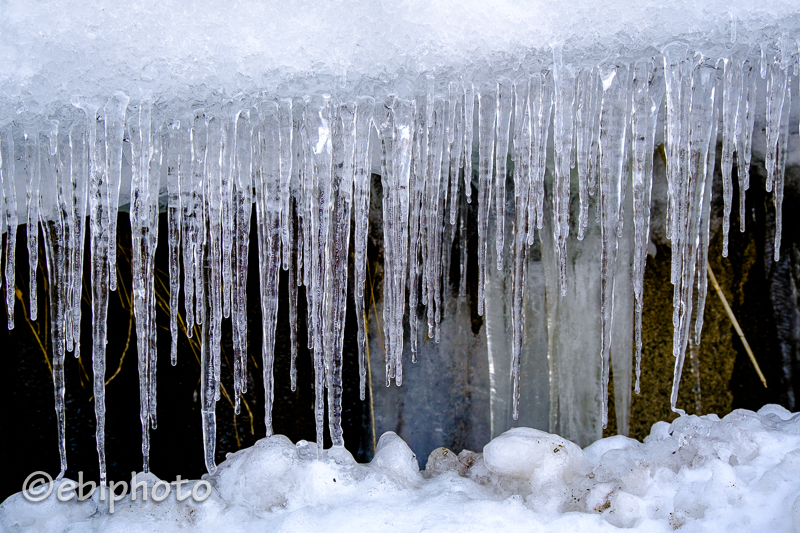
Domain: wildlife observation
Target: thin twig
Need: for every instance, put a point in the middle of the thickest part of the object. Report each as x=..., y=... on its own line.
x=125, y=351
x=369, y=376
x=35, y=334
x=375, y=310
x=369, y=364
x=736, y=326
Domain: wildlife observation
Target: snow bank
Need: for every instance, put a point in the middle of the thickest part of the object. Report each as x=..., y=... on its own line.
x=739, y=473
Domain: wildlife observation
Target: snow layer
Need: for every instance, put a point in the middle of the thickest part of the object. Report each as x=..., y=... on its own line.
x=739, y=473
x=51, y=50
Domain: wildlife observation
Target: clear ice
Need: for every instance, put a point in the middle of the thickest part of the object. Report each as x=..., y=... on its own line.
x=303, y=145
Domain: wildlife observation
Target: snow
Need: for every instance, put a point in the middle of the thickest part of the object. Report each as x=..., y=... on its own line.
x=55, y=48
x=739, y=473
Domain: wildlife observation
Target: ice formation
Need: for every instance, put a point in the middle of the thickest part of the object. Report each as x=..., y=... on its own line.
x=207, y=111
x=697, y=474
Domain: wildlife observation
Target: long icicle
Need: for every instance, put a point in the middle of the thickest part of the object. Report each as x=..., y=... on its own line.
x=522, y=169
x=361, y=185
x=613, y=126
x=9, y=186
x=564, y=83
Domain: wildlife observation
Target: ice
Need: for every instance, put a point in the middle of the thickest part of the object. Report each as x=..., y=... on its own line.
x=336, y=272
x=146, y=152
x=267, y=178
x=613, y=126
x=32, y=166
x=779, y=98
x=535, y=457
x=487, y=106
x=564, y=86
x=53, y=229
x=301, y=129
x=11, y=220
x=114, y=121
x=647, y=99
x=698, y=473
x=361, y=178
x=174, y=230
x=503, y=121
x=522, y=180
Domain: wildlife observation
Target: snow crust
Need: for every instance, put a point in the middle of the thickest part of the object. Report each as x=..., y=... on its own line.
x=51, y=50
x=738, y=473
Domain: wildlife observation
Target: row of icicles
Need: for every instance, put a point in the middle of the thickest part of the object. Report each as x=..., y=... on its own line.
x=306, y=164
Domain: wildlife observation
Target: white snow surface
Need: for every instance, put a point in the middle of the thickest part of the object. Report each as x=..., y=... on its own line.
x=738, y=473
x=51, y=50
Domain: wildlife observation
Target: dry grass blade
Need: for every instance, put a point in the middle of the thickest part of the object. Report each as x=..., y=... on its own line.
x=736, y=326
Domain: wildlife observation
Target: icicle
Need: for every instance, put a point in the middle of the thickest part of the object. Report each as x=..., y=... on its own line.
x=286, y=175
x=541, y=102
x=53, y=232
x=395, y=224
x=79, y=179
x=114, y=114
x=504, y=95
x=98, y=195
x=705, y=220
x=647, y=100
x=336, y=262
x=207, y=385
x=31, y=147
x=145, y=177
x=404, y=111
x=187, y=205
x=319, y=154
x=172, y=149
x=778, y=104
x=197, y=221
x=10, y=188
x=732, y=80
x=564, y=83
x=456, y=139
x=433, y=214
x=417, y=187
x=61, y=164
x=690, y=110
x=242, y=206
x=267, y=174
x=469, y=117
x=584, y=128
x=227, y=178
x=613, y=127
x=522, y=158
x=361, y=185
x=384, y=122
x=440, y=248
x=213, y=225
x=487, y=106
x=462, y=245
x=292, y=286
x=745, y=120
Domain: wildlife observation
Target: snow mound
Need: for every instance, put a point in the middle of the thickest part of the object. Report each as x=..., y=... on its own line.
x=738, y=473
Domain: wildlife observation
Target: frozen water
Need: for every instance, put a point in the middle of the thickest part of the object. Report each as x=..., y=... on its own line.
x=290, y=108
x=698, y=474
